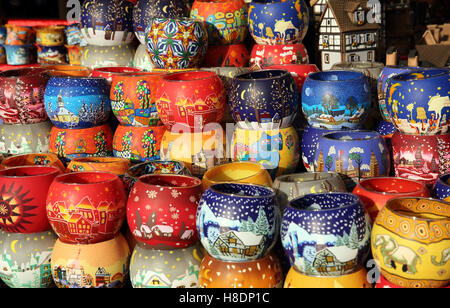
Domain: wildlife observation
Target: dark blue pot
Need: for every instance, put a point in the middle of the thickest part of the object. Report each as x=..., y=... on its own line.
x=441, y=189
x=387, y=73
x=20, y=54
x=418, y=102
x=353, y=154
x=77, y=102
x=238, y=222
x=385, y=128
x=336, y=99
x=145, y=10
x=326, y=234
x=275, y=22
x=265, y=99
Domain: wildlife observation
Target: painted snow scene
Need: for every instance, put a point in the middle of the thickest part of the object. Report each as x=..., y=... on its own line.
x=236, y=227
x=326, y=234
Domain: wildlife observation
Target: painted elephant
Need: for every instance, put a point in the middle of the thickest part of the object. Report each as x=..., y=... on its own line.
x=393, y=254
x=444, y=259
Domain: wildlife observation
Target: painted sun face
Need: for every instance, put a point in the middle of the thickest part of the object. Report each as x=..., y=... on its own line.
x=13, y=208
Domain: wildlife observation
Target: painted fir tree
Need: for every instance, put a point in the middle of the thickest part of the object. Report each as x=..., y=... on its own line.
x=262, y=224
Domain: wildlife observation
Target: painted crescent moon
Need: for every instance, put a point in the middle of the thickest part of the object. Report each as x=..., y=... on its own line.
x=205, y=273
x=87, y=4
x=165, y=9
x=13, y=246
x=242, y=94
x=291, y=88
x=196, y=256
x=418, y=75
x=313, y=190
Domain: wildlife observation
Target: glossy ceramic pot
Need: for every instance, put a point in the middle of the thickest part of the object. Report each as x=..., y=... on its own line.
x=421, y=158
x=109, y=72
x=357, y=279
x=99, y=265
x=265, y=99
x=190, y=99
x=262, y=56
x=20, y=54
x=145, y=10
x=106, y=56
x=278, y=22
x=299, y=71
x=262, y=273
x=161, y=210
x=238, y=222
x=142, y=59
x=336, y=99
x=292, y=186
x=74, y=36
x=117, y=166
x=19, y=35
x=23, y=195
x=236, y=55
x=326, y=234
x=107, y=22
x=153, y=167
x=176, y=42
x=25, y=138
x=51, y=54
x=154, y=268
x=74, y=53
x=237, y=172
x=138, y=143
x=441, y=189
x=22, y=95
x=26, y=262
x=354, y=155
x=86, y=207
x=277, y=150
x=410, y=242
x=77, y=102
x=88, y=142
x=386, y=129
x=418, y=102
x=44, y=159
x=385, y=75
x=133, y=98
x=226, y=21
x=50, y=36
x=68, y=70
x=374, y=193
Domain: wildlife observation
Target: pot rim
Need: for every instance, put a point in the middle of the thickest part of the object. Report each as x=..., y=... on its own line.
x=391, y=202
x=350, y=204
x=282, y=74
x=98, y=160
x=400, y=133
x=376, y=135
x=197, y=181
x=67, y=78
x=219, y=167
x=195, y=20
x=112, y=177
x=355, y=270
x=107, y=69
x=137, y=166
x=354, y=65
x=280, y=66
x=357, y=76
x=138, y=74
x=262, y=258
x=52, y=170
x=332, y=175
x=443, y=72
x=38, y=70
x=423, y=186
x=167, y=77
x=271, y=195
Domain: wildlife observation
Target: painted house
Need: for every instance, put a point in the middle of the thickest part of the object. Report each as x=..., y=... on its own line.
x=245, y=244
x=345, y=34
x=338, y=259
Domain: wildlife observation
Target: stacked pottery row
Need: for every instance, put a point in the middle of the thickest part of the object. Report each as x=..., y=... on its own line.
x=50, y=44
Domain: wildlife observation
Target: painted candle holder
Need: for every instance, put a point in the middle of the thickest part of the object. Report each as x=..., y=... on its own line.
x=138, y=144
x=20, y=54
x=153, y=167
x=117, y=166
x=154, y=268
x=299, y=71
x=109, y=72
x=226, y=21
x=73, y=35
x=356, y=280
x=145, y=10
x=88, y=142
x=50, y=36
x=336, y=99
x=262, y=273
x=142, y=60
x=104, y=264
x=176, y=42
x=25, y=138
x=441, y=189
x=263, y=56
x=33, y=159
x=421, y=158
x=51, y=54
x=77, y=102
x=22, y=92
x=133, y=98
x=19, y=35
x=277, y=150
x=161, y=210
x=354, y=155
x=237, y=172
x=410, y=242
x=238, y=222
x=74, y=53
x=25, y=262
x=317, y=227
x=86, y=207
x=23, y=195
x=190, y=99
x=418, y=102
x=107, y=22
x=385, y=75
x=235, y=55
x=68, y=70
x=264, y=99
x=292, y=186
x=374, y=193
x=278, y=22
x=105, y=56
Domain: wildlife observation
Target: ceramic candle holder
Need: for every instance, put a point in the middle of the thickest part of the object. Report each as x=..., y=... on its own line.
x=410, y=242
x=117, y=166
x=20, y=54
x=235, y=55
x=104, y=56
x=109, y=72
x=74, y=53
x=50, y=36
x=441, y=189
x=46, y=159
x=263, y=56
x=142, y=59
x=19, y=35
x=51, y=54
x=68, y=70
x=25, y=138
x=299, y=71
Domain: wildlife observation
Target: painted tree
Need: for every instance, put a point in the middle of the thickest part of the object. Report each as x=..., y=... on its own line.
x=262, y=224
x=329, y=102
x=355, y=154
x=143, y=94
x=100, y=142
x=95, y=9
x=60, y=144
x=410, y=108
x=118, y=91
x=149, y=144
x=329, y=162
x=353, y=237
x=352, y=104
x=117, y=12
